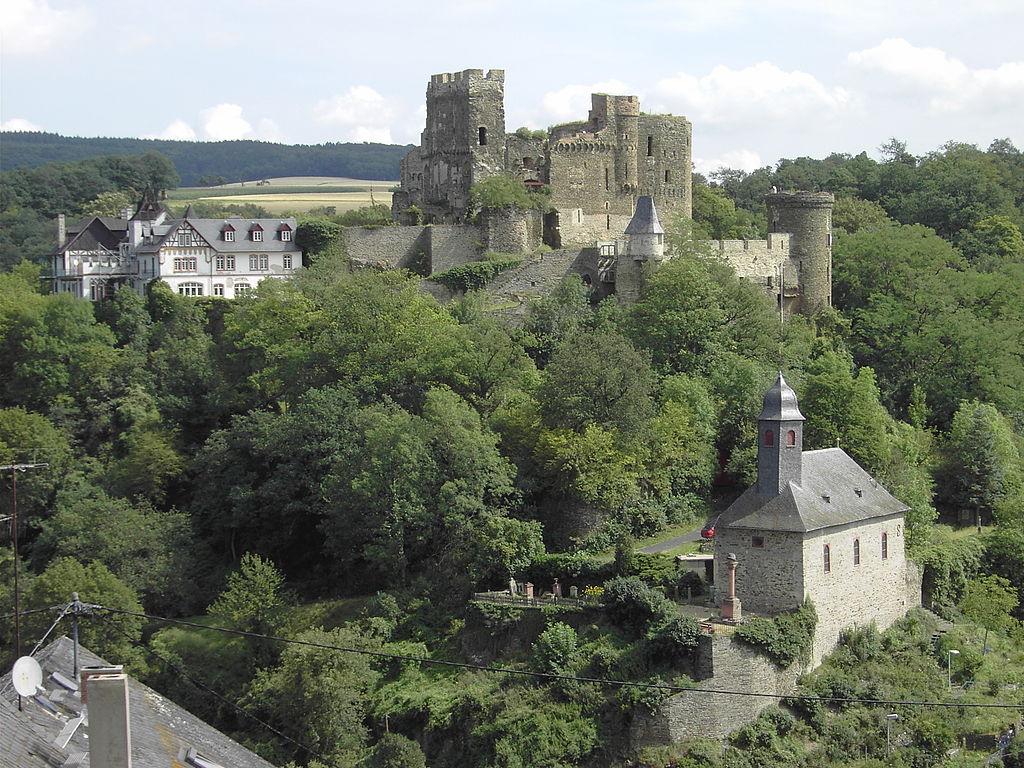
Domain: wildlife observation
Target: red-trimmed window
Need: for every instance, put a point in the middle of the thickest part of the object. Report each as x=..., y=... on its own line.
x=256, y=233
x=769, y=437
x=791, y=437
x=228, y=233
x=285, y=233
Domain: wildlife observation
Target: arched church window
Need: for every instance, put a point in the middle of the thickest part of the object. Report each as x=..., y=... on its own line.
x=769, y=437
x=856, y=551
x=791, y=437
x=827, y=558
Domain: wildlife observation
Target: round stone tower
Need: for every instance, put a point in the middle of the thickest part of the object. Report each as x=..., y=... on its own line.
x=645, y=250
x=807, y=217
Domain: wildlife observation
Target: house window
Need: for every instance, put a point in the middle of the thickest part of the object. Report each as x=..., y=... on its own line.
x=185, y=237
x=191, y=289
x=769, y=437
x=286, y=234
x=286, y=261
x=243, y=289
x=224, y=261
x=229, y=234
x=185, y=264
x=885, y=546
x=258, y=262
x=827, y=559
x=757, y=542
x=218, y=289
x=256, y=233
x=856, y=551
x=791, y=437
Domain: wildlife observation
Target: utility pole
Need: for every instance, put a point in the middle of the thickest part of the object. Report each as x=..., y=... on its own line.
x=15, y=469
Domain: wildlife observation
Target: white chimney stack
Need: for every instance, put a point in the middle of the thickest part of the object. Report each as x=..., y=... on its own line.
x=110, y=738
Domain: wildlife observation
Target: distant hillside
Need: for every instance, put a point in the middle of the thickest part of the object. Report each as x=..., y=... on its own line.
x=232, y=160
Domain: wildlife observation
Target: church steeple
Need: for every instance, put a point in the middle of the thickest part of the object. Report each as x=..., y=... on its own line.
x=780, y=435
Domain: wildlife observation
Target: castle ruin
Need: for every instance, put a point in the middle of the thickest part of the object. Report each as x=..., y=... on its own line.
x=596, y=171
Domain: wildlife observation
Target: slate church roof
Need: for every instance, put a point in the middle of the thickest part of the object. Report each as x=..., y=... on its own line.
x=834, y=490
x=47, y=732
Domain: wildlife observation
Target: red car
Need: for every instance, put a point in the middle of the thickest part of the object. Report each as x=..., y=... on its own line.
x=708, y=531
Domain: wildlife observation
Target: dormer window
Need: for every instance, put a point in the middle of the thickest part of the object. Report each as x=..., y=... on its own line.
x=256, y=233
x=228, y=233
x=285, y=233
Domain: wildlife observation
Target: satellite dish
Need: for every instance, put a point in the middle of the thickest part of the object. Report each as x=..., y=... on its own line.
x=27, y=676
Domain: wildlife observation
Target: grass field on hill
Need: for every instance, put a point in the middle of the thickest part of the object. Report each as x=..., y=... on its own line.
x=294, y=193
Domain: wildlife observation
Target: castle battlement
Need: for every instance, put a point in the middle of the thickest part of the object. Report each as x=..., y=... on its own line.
x=466, y=77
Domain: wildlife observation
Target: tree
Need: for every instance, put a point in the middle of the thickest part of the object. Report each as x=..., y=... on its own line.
x=504, y=191
x=556, y=649
x=989, y=602
x=394, y=750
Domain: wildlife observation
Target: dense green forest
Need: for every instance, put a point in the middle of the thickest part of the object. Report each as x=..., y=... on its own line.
x=196, y=161
x=341, y=460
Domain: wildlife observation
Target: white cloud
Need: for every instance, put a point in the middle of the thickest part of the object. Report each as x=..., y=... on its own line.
x=224, y=122
x=361, y=114
x=268, y=130
x=18, y=124
x=179, y=130
x=760, y=93
x=946, y=83
x=32, y=27
x=573, y=101
x=743, y=159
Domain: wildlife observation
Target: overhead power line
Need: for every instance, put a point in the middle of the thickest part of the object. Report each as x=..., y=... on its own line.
x=670, y=689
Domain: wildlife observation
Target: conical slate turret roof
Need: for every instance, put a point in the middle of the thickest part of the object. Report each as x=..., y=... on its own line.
x=645, y=218
x=780, y=403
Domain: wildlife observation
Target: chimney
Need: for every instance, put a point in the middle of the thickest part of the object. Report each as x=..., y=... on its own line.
x=62, y=230
x=110, y=738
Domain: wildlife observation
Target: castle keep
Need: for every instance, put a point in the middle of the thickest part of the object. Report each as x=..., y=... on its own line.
x=609, y=178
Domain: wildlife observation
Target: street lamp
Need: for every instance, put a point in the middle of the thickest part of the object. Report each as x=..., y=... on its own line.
x=949, y=667
x=888, y=723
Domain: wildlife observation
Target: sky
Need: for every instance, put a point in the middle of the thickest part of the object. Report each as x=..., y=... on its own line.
x=760, y=80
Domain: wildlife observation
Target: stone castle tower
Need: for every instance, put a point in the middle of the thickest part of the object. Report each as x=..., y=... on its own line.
x=645, y=250
x=807, y=217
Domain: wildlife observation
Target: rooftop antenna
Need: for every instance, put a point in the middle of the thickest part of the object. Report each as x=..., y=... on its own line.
x=15, y=469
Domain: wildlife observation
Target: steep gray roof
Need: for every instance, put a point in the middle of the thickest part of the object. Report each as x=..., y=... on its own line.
x=834, y=490
x=645, y=218
x=780, y=403
x=161, y=730
x=211, y=230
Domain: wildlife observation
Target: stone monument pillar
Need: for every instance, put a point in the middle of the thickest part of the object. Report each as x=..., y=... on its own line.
x=731, y=609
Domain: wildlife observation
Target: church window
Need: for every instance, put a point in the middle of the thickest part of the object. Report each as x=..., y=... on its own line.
x=885, y=546
x=483, y=136
x=757, y=542
x=856, y=551
x=769, y=437
x=827, y=559
x=791, y=437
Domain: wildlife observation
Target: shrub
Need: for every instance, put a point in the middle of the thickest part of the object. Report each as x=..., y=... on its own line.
x=634, y=606
x=555, y=650
x=475, y=275
x=783, y=638
x=674, y=640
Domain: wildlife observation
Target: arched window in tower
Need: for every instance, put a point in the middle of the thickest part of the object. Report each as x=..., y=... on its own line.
x=769, y=437
x=483, y=136
x=856, y=551
x=791, y=437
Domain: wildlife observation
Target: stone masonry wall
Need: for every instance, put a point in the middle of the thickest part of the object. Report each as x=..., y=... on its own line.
x=538, y=275
x=850, y=595
x=768, y=578
x=439, y=247
x=450, y=246
x=697, y=715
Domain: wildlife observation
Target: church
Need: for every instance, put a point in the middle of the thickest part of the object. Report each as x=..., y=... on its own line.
x=815, y=525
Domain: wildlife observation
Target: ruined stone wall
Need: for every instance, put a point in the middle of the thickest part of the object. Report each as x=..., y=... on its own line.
x=769, y=578
x=538, y=275
x=734, y=667
x=851, y=595
x=435, y=248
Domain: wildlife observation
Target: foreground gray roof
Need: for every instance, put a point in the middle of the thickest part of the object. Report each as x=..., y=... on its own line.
x=834, y=491
x=645, y=218
x=161, y=730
